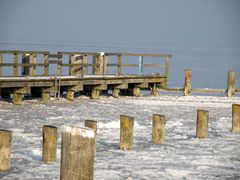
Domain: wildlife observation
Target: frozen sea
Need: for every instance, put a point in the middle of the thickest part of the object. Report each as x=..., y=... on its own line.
x=183, y=156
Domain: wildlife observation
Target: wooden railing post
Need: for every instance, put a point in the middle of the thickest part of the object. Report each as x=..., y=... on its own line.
x=231, y=86
x=5, y=150
x=236, y=118
x=77, y=153
x=59, y=73
x=85, y=64
x=15, y=67
x=49, y=147
x=126, y=132
x=32, y=68
x=119, y=66
x=46, y=66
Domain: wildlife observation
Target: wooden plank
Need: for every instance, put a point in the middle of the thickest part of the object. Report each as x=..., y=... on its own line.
x=24, y=52
x=154, y=65
x=130, y=65
x=83, y=53
x=55, y=56
x=148, y=55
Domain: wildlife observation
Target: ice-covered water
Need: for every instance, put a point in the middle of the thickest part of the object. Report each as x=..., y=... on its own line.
x=183, y=156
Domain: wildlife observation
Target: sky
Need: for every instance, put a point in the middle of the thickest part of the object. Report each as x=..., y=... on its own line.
x=122, y=23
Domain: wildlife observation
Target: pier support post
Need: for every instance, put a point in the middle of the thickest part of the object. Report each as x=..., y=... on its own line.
x=187, y=83
x=126, y=132
x=236, y=118
x=158, y=129
x=231, y=86
x=93, y=125
x=5, y=150
x=77, y=154
x=136, y=91
x=154, y=90
x=70, y=95
x=49, y=147
x=17, y=99
x=95, y=94
x=202, y=124
x=115, y=92
x=45, y=96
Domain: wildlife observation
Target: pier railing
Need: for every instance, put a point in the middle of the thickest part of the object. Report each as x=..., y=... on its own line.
x=44, y=63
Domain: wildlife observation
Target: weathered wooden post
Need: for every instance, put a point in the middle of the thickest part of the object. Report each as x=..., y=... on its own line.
x=126, y=132
x=119, y=66
x=158, y=129
x=46, y=64
x=136, y=91
x=154, y=90
x=5, y=150
x=95, y=94
x=231, y=86
x=187, y=83
x=17, y=98
x=167, y=61
x=93, y=125
x=45, y=96
x=77, y=154
x=70, y=95
x=202, y=124
x=49, y=147
x=15, y=67
x=115, y=92
x=236, y=118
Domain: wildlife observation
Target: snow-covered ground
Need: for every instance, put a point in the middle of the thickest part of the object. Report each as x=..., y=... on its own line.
x=183, y=156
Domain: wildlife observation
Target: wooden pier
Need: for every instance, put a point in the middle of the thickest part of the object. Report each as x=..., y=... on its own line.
x=40, y=73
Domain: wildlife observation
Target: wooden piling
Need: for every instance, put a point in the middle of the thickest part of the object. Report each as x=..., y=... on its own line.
x=17, y=99
x=5, y=150
x=115, y=92
x=126, y=132
x=202, y=124
x=154, y=90
x=93, y=125
x=158, y=129
x=236, y=118
x=95, y=94
x=136, y=91
x=231, y=86
x=187, y=82
x=45, y=96
x=49, y=147
x=77, y=154
x=70, y=95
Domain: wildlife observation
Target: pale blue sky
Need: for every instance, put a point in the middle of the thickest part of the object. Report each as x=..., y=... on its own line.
x=135, y=23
